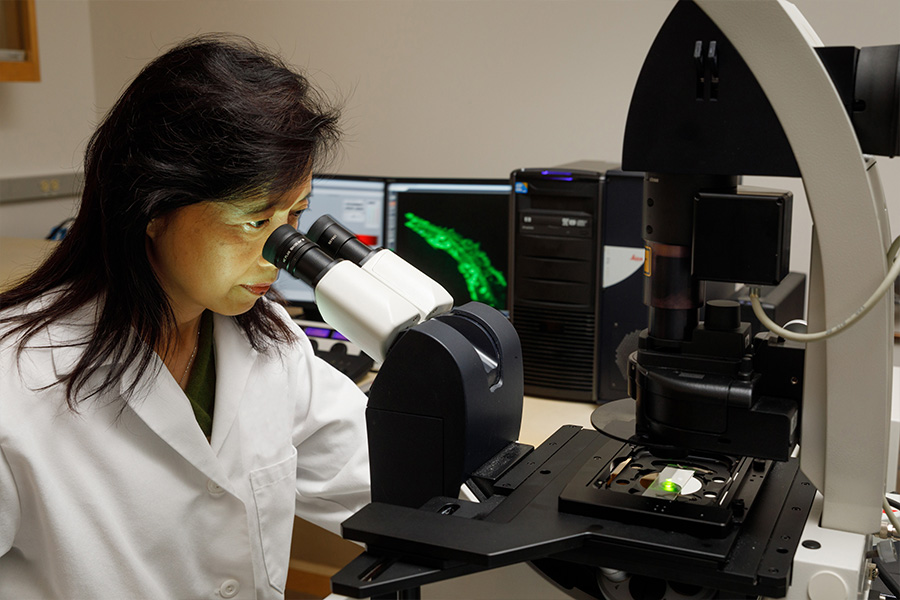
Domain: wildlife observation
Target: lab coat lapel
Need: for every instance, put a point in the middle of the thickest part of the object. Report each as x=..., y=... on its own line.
x=235, y=359
x=158, y=401
x=165, y=409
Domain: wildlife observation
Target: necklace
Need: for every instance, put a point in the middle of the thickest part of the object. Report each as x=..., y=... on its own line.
x=191, y=359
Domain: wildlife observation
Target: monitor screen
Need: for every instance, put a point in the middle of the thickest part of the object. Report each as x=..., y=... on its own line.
x=456, y=231
x=357, y=203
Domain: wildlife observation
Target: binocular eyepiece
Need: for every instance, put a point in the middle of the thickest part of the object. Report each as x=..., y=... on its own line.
x=308, y=257
x=369, y=295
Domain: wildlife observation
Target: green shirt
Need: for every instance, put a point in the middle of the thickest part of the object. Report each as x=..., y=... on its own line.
x=201, y=385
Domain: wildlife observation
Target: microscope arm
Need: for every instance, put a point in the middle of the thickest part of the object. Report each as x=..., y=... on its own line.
x=846, y=404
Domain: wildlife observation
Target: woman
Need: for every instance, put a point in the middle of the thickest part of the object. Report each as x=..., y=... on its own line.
x=161, y=420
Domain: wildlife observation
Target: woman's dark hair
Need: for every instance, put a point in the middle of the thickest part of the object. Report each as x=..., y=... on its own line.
x=214, y=119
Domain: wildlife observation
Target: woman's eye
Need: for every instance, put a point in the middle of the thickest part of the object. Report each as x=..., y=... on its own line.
x=295, y=217
x=257, y=224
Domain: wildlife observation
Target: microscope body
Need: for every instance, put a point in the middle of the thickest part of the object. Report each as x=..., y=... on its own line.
x=701, y=385
x=714, y=102
x=717, y=99
x=447, y=398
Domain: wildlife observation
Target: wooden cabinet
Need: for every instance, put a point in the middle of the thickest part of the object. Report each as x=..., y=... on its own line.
x=18, y=41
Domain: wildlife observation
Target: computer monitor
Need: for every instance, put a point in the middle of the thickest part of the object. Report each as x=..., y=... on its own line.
x=357, y=202
x=456, y=231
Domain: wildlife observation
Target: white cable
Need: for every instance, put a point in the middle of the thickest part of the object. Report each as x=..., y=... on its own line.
x=889, y=513
x=860, y=312
x=893, y=249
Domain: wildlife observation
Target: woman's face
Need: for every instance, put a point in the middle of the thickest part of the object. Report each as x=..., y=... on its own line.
x=209, y=255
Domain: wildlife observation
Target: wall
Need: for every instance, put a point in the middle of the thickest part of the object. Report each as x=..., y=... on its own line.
x=445, y=88
x=45, y=125
x=433, y=88
x=468, y=88
x=439, y=88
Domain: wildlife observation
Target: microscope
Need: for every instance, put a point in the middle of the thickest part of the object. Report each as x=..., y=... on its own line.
x=448, y=395
x=754, y=466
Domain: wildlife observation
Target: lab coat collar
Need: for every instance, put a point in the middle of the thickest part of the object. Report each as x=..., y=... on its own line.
x=167, y=411
x=159, y=401
x=164, y=408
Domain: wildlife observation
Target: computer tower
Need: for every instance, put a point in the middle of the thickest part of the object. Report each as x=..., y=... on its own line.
x=576, y=268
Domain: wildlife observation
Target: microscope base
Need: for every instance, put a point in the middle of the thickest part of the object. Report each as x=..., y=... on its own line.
x=522, y=521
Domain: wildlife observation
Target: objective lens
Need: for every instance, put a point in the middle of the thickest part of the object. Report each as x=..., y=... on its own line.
x=338, y=241
x=292, y=251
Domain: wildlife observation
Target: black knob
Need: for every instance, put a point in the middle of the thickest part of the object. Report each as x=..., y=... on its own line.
x=723, y=315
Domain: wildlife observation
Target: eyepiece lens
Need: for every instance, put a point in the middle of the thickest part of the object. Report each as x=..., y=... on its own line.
x=275, y=248
x=292, y=251
x=337, y=240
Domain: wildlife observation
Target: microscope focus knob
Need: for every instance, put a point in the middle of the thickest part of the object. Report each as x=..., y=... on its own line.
x=722, y=315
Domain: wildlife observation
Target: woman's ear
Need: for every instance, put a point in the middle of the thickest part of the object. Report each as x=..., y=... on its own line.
x=153, y=228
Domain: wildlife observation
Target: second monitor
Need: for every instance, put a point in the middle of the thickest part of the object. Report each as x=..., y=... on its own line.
x=456, y=232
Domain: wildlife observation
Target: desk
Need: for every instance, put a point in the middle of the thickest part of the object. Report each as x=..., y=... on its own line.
x=541, y=417
x=20, y=256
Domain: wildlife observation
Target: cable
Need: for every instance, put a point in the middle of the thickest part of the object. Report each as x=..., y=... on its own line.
x=890, y=515
x=60, y=231
x=894, y=246
x=885, y=285
x=636, y=440
x=889, y=582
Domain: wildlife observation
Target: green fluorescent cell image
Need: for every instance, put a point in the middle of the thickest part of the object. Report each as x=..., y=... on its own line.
x=485, y=283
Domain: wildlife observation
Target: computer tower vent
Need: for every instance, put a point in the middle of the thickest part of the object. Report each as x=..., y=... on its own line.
x=557, y=348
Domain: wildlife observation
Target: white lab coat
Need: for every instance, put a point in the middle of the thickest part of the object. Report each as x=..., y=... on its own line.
x=136, y=503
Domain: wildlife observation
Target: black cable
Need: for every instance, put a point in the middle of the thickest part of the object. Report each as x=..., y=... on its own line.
x=656, y=449
x=617, y=438
x=892, y=502
x=889, y=582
